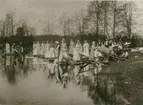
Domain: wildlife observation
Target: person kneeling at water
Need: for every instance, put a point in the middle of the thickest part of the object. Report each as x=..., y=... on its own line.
x=125, y=54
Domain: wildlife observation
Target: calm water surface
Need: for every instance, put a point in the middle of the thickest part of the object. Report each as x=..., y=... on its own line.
x=29, y=86
x=34, y=88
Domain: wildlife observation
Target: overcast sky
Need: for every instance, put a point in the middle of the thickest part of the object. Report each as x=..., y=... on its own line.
x=35, y=10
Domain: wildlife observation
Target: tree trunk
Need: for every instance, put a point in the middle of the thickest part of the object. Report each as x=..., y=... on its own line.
x=3, y=30
x=114, y=20
x=97, y=22
x=105, y=17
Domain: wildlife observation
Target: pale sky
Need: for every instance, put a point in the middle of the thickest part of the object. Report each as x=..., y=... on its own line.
x=35, y=10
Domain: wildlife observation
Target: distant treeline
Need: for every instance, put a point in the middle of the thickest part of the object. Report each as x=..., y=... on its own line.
x=28, y=40
x=51, y=38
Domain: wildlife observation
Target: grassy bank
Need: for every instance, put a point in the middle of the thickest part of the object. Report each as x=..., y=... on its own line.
x=129, y=80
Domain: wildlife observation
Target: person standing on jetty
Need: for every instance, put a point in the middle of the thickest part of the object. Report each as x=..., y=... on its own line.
x=86, y=48
x=71, y=47
x=7, y=54
x=86, y=53
x=34, y=49
x=38, y=48
x=77, y=50
x=93, y=47
x=57, y=49
x=47, y=50
x=41, y=49
x=52, y=51
x=7, y=48
x=63, y=50
x=76, y=58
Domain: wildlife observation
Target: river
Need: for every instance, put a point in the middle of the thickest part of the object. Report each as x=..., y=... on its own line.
x=29, y=86
x=34, y=88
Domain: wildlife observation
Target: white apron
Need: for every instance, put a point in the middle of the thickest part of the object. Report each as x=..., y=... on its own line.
x=34, y=49
x=52, y=52
x=86, y=49
x=47, y=51
x=7, y=48
x=76, y=55
x=63, y=52
x=38, y=49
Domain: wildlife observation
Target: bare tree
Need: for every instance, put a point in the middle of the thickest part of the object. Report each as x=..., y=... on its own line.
x=106, y=5
x=69, y=23
x=80, y=22
x=63, y=23
x=116, y=17
x=2, y=27
x=9, y=24
x=31, y=31
x=128, y=19
x=49, y=28
x=66, y=24
x=95, y=12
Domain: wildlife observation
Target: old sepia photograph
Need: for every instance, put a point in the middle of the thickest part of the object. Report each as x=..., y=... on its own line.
x=71, y=52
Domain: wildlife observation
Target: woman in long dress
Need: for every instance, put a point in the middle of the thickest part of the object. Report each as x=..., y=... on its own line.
x=47, y=50
x=86, y=53
x=57, y=49
x=47, y=55
x=7, y=56
x=80, y=47
x=52, y=51
x=7, y=48
x=63, y=50
x=77, y=50
x=71, y=47
x=86, y=48
x=38, y=48
x=34, y=49
x=13, y=48
x=93, y=47
x=42, y=49
x=76, y=58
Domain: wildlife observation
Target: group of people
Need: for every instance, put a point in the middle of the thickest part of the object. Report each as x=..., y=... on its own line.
x=46, y=50
x=76, y=49
x=57, y=50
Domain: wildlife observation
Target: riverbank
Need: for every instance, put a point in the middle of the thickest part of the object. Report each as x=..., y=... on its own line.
x=129, y=76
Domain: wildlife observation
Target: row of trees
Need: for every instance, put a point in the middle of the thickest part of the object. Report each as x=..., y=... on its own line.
x=8, y=26
x=106, y=18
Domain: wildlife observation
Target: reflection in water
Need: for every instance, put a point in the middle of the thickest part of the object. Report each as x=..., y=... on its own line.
x=10, y=74
x=9, y=70
x=97, y=91
x=35, y=88
x=100, y=90
x=12, y=66
x=14, y=60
